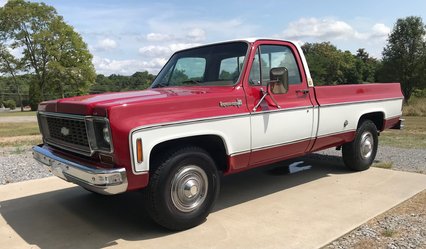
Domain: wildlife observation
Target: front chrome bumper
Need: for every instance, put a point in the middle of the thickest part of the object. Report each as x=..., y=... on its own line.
x=103, y=181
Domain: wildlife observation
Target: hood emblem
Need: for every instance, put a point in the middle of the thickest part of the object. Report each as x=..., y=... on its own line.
x=237, y=103
x=65, y=131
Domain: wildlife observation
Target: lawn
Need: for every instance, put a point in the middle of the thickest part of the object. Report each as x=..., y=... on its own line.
x=15, y=114
x=19, y=134
x=412, y=136
x=18, y=129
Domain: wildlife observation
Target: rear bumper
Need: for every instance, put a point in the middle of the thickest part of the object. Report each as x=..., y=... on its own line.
x=399, y=125
x=103, y=181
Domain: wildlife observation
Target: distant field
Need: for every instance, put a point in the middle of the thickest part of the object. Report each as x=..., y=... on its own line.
x=15, y=114
x=18, y=129
x=412, y=136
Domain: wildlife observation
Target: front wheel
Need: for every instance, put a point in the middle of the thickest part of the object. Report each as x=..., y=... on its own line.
x=183, y=189
x=359, y=154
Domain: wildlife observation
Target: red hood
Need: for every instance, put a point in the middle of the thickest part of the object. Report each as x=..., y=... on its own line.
x=99, y=104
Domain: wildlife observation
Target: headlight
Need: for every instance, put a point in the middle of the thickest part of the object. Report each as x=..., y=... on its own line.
x=107, y=136
x=99, y=134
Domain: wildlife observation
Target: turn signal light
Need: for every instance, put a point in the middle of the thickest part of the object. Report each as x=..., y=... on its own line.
x=139, y=150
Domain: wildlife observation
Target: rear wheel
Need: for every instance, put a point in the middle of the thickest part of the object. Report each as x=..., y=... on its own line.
x=183, y=189
x=359, y=154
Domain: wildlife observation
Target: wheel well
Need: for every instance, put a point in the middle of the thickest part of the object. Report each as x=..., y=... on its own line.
x=376, y=117
x=213, y=144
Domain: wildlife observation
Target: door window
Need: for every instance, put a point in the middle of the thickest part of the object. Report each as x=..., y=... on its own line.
x=271, y=56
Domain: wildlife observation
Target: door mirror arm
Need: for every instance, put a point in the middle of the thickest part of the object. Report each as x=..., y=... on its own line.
x=264, y=94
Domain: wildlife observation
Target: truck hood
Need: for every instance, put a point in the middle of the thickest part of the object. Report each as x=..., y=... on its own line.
x=100, y=104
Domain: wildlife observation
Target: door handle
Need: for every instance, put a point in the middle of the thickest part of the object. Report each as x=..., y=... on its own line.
x=303, y=91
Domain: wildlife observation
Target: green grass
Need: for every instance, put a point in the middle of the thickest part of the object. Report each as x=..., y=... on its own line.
x=27, y=141
x=412, y=136
x=16, y=114
x=18, y=129
x=383, y=165
x=416, y=107
x=387, y=232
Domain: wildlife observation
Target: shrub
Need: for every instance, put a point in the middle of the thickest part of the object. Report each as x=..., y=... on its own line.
x=416, y=107
x=11, y=104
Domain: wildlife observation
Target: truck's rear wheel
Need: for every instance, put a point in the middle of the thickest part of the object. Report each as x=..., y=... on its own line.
x=183, y=189
x=359, y=154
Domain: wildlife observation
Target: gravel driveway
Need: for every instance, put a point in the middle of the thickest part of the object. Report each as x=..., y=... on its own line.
x=17, y=164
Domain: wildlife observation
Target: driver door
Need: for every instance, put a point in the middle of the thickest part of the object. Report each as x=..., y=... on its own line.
x=278, y=132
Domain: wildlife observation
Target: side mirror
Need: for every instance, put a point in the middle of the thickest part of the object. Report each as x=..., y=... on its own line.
x=279, y=80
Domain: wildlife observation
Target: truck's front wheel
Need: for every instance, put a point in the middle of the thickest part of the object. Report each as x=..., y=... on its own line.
x=359, y=154
x=183, y=189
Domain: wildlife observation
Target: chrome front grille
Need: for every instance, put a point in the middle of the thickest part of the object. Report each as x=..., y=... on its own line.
x=65, y=131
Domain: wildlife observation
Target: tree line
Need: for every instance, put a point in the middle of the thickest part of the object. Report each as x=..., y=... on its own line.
x=42, y=58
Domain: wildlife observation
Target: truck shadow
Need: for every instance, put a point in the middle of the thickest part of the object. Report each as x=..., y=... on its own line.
x=75, y=218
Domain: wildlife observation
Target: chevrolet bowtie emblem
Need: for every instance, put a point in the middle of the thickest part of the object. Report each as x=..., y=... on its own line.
x=65, y=131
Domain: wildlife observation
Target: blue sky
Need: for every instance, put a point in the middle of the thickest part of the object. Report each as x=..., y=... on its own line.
x=127, y=36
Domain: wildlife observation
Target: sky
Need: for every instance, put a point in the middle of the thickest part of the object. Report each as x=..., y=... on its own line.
x=127, y=36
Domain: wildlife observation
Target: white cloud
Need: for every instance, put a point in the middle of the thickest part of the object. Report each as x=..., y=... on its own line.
x=2, y=2
x=127, y=67
x=106, y=44
x=157, y=37
x=154, y=51
x=380, y=30
x=166, y=50
x=197, y=34
x=331, y=29
x=316, y=28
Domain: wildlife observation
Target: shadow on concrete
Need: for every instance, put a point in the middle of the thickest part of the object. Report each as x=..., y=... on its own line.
x=75, y=218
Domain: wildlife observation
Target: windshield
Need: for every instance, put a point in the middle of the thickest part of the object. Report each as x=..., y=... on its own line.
x=214, y=65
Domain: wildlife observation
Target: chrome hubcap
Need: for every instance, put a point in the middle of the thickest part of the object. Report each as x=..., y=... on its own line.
x=189, y=188
x=367, y=144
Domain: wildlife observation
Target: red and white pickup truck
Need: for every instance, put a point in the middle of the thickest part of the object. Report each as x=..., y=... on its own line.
x=215, y=109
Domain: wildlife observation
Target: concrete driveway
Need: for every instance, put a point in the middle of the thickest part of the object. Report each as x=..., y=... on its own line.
x=262, y=208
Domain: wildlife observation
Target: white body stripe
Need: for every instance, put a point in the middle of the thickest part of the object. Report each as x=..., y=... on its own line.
x=275, y=128
x=333, y=117
x=235, y=132
x=267, y=129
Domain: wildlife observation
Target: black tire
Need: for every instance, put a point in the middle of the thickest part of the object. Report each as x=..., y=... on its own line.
x=359, y=154
x=183, y=188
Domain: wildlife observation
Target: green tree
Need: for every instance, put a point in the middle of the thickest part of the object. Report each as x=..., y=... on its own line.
x=9, y=65
x=52, y=50
x=404, y=57
x=367, y=66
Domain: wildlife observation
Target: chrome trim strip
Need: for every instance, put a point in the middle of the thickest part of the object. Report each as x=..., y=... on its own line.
x=103, y=181
x=396, y=116
x=282, y=110
x=281, y=144
x=335, y=133
x=359, y=102
x=188, y=121
x=62, y=115
x=240, y=153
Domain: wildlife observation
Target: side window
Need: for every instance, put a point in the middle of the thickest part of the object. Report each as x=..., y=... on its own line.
x=278, y=56
x=188, y=69
x=230, y=68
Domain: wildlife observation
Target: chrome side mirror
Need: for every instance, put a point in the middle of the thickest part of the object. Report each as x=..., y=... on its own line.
x=279, y=80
